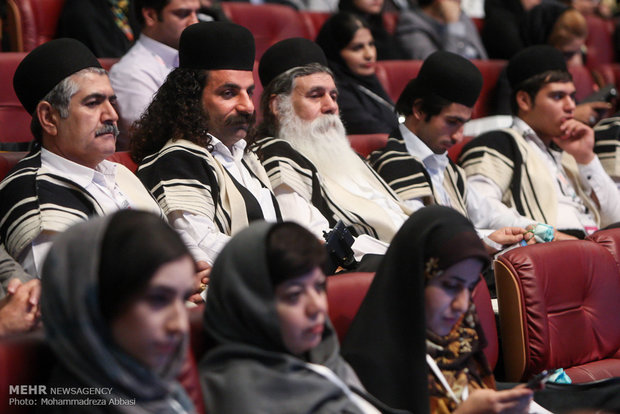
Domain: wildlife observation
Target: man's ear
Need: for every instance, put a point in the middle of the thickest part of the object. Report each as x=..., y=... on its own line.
x=150, y=16
x=273, y=105
x=48, y=118
x=416, y=110
x=524, y=101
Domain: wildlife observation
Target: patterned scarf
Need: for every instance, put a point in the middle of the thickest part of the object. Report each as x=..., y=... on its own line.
x=120, y=10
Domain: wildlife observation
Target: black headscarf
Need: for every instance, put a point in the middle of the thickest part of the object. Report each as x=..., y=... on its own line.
x=537, y=24
x=386, y=343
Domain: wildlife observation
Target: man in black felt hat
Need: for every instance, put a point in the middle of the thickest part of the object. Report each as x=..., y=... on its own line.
x=66, y=178
x=191, y=145
x=544, y=165
x=305, y=150
x=415, y=163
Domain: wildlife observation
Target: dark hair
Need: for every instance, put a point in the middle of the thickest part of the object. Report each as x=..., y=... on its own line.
x=176, y=112
x=138, y=5
x=135, y=244
x=337, y=32
x=424, y=3
x=535, y=83
x=292, y=251
x=431, y=104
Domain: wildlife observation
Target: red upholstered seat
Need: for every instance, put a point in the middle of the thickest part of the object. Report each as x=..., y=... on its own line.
x=123, y=157
x=28, y=360
x=313, y=21
x=559, y=308
x=14, y=120
x=364, y=144
x=390, y=21
x=36, y=21
x=610, y=240
x=490, y=69
x=599, y=42
x=583, y=80
x=269, y=23
x=8, y=161
x=345, y=293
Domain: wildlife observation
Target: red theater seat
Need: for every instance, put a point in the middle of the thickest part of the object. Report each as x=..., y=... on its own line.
x=269, y=23
x=345, y=293
x=610, y=240
x=28, y=360
x=123, y=157
x=600, y=42
x=559, y=308
x=364, y=144
x=8, y=161
x=583, y=80
x=490, y=69
x=14, y=120
x=313, y=21
x=35, y=21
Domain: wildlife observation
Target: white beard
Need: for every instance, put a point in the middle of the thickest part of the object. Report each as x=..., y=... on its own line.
x=324, y=142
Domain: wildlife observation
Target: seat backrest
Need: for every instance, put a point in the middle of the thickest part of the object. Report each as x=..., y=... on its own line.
x=313, y=21
x=490, y=69
x=269, y=23
x=8, y=161
x=14, y=120
x=364, y=144
x=390, y=21
x=28, y=360
x=610, y=240
x=345, y=293
x=123, y=157
x=395, y=74
x=600, y=41
x=558, y=306
x=36, y=20
x=482, y=299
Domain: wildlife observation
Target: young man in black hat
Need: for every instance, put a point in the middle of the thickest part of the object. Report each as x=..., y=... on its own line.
x=305, y=150
x=415, y=161
x=191, y=145
x=544, y=165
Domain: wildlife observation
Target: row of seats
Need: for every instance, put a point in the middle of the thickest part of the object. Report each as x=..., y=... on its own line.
x=558, y=308
x=33, y=22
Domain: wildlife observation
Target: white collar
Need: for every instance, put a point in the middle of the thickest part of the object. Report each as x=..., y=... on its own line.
x=238, y=148
x=105, y=171
x=417, y=148
x=169, y=55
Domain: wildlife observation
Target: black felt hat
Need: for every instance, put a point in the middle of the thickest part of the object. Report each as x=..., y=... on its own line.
x=288, y=54
x=533, y=61
x=46, y=66
x=449, y=76
x=216, y=46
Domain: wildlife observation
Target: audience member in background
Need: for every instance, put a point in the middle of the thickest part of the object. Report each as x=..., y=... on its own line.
x=365, y=107
x=190, y=141
x=372, y=11
x=438, y=25
x=544, y=165
x=143, y=69
x=277, y=351
x=19, y=297
x=565, y=29
x=114, y=311
x=415, y=161
x=501, y=31
x=66, y=178
x=424, y=285
x=305, y=150
x=211, y=11
x=107, y=27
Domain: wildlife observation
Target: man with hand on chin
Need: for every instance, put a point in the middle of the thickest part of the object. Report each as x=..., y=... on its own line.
x=544, y=164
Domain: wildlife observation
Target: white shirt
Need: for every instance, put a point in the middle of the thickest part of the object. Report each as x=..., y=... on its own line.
x=485, y=216
x=100, y=183
x=572, y=213
x=137, y=77
x=200, y=234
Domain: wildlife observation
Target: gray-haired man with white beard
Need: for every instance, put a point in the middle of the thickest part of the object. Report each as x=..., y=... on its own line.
x=304, y=148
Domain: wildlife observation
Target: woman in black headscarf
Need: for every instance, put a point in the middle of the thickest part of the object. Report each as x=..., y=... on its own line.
x=113, y=308
x=276, y=351
x=424, y=285
x=372, y=11
x=365, y=107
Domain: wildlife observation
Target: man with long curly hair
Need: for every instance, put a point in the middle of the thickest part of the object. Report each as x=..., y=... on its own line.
x=190, y=142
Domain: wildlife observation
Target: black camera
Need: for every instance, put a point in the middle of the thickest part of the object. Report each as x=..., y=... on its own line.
x=338, y=243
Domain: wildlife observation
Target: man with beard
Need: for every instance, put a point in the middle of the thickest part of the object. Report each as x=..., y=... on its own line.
x=544, y=164
x=65, y=179
x=191, y=146
x=303, y=146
